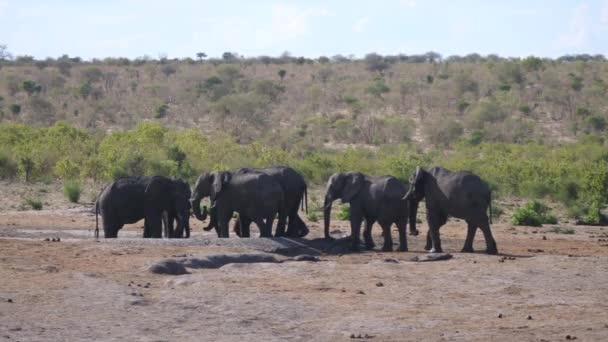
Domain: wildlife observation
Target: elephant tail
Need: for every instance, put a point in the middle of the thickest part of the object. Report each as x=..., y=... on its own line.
x=490, y=207
x=97, y=219
x=305, y=200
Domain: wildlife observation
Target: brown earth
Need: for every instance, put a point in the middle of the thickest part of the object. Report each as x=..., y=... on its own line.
x=79, y=289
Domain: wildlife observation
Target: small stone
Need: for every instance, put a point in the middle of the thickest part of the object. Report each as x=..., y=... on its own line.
x=343, y=290
x=544, y=237
x=360, y=292
x=529, y=317
x=138, y=285
x=379, y=284
x=499, y=315
x=501, y=260
x=47, y=239
x=391, y=260
x=568, y=337
x=58, y=239
x=352, y=336
x=474, y=261
x=146, y=286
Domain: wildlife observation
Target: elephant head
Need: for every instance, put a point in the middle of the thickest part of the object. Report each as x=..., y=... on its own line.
x=209, y=184
x=172, y=195
x=415, y=195
x=340, y=185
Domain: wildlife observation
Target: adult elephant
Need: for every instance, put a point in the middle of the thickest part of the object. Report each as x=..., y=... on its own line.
x=373, y=199
x=458, y=194
x=129, y=199
x=171, y=216
x=253, y=195
x=295, y=196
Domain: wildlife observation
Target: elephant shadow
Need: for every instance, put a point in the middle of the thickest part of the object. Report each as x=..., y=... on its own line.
x=296, y=246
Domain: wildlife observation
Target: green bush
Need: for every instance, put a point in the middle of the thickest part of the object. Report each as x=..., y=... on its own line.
x=533, y=213
x=34, y=204
x=72, y=190
x=344, y=213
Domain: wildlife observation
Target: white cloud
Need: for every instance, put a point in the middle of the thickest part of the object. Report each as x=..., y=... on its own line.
x=361, y=25
x=578, y=32
x=408, y=3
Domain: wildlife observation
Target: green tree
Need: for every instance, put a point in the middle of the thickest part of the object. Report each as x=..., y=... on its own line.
x=282, y=74
x=201, y=56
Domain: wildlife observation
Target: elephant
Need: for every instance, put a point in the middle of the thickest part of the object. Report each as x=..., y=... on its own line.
x=253, y=195
x=170, y=216
x=373, y=199
x=458, y=194
x=129, y=199
x=295, y=195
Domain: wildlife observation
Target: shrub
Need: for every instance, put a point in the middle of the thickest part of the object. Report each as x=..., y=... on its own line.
x=344, y=213
x=34, y=204
x=525, y=109
x=533, y=213
x=561, y=230
x=72, y=190
x=161, y=111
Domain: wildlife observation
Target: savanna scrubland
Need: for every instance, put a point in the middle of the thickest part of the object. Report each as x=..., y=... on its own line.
x=534, y=129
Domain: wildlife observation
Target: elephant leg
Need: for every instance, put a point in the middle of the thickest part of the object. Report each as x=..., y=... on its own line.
x=110, y=229
x=265, y=230
x=402, y=226
x=245, y=227
x=153, y=226
x=281, y=225
x=468, y=242
x=435, y=220
x=297, y=227
x=223, y=222
x=487, y=234
x=355, y=228
x=367, y=235
x=429, y=241
x=388, y=239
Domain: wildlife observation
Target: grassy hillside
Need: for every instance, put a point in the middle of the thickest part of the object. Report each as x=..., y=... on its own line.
x=373, y=101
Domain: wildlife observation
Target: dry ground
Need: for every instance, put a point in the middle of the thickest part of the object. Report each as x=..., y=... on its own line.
x=78, y=289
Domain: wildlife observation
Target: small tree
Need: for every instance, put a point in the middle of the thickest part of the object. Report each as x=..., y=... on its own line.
x=282, y=74
x=201, y=56
x=15, y=109
x=31, y=87
x=168, y=69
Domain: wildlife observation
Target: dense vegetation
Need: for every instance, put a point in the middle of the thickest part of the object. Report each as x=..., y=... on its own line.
x=324, y=102
x=575, y=174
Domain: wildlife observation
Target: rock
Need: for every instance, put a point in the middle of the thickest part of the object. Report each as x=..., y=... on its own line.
x=499, y=315
x=379, y=284
x=168, y=266
x=391, y=260
x=360, y=292
x=219, y=260
x=544, y=237
x=529, y=317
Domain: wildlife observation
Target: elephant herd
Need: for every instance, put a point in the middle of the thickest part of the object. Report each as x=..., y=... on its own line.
x=261, y=195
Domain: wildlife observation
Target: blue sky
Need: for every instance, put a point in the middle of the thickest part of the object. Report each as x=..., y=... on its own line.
x=181, y=28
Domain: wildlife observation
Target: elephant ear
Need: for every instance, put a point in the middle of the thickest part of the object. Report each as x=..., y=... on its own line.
x=159, y=192
x=219, y=182
x=354, y=182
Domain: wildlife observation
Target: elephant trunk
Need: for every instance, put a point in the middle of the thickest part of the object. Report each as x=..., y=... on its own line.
x=196, y=209
x=413, y=206
x=327, y=214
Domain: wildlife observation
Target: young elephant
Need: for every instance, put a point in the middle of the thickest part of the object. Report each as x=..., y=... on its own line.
x=373, y=199
x=129, y=199
x=458, y=194
x=170, y=216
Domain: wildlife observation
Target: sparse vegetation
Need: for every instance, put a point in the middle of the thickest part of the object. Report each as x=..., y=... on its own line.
x=533, y=213
x=33, y=203
x=72, y=190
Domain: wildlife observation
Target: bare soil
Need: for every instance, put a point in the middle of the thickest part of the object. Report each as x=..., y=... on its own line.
x=545, y=286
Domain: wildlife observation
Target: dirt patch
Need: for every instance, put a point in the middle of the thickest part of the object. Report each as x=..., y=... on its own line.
x=543, y=286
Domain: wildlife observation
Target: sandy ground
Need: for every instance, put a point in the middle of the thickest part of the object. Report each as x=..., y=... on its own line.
x=545, y=286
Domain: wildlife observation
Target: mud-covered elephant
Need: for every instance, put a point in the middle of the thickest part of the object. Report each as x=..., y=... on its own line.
x=253, y=195
x=458, y=194
x=129, y=199
x=373, y=199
